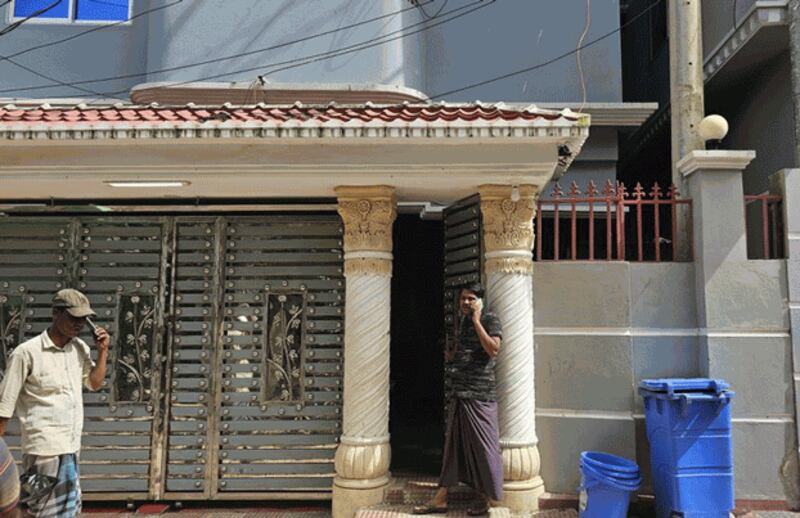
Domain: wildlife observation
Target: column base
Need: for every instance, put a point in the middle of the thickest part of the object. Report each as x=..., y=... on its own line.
x=522, y=496
x=350, y=495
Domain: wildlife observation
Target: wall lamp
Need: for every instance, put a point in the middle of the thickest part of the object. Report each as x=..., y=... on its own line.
x=146, y=184
x=712, y=130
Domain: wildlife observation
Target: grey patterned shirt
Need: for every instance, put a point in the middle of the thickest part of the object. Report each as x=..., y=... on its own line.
x=470, y=374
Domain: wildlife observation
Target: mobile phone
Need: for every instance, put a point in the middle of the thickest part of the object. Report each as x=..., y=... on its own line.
x=477, y=305
x=91, y=325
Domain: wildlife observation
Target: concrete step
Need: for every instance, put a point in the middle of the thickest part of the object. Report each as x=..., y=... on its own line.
x=405, y=492
x=405, y=511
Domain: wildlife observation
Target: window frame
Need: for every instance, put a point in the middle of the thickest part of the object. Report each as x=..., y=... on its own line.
x=69, y=20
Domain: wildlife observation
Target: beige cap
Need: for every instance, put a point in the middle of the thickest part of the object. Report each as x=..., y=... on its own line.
x=74, y=302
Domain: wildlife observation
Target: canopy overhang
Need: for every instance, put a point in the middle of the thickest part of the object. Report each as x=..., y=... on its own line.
x=428, y=152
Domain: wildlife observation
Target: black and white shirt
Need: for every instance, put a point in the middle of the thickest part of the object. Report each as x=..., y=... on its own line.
x=470, y=374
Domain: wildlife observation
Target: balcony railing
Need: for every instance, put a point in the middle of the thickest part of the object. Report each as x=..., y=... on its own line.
x=611, y=224
x=764, y=226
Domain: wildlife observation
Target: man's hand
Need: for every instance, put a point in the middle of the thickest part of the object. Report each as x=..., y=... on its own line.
x=476, y=311
x=101, y=340
x=98, y=373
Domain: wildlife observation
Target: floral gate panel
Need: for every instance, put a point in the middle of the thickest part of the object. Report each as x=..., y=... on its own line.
x=225, y=373
x=120, y=264
x=257, y=357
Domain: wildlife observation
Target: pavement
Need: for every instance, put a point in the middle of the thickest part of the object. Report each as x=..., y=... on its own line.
x=322, y=510
x=393, y=512
x=211, y=510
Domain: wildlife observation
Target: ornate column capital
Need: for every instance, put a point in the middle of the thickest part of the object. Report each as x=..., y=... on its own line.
x=368, y=213
x=508, y=228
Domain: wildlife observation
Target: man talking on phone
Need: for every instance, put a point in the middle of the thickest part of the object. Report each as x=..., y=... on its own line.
x=43, y=384
x=472, y=442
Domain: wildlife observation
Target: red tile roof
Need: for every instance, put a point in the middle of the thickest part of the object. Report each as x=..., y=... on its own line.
x=273, y=114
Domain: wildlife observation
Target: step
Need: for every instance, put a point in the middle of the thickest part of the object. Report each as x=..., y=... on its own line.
x=405, y=511
x=406, y=491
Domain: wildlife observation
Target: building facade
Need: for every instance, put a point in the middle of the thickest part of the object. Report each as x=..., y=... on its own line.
x=236, y=188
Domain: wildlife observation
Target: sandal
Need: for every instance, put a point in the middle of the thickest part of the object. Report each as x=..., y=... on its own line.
x=478, y=511
x=429, y=509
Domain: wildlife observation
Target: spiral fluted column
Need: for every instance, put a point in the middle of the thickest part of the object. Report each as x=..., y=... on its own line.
x=363, y=456
x=508, y=241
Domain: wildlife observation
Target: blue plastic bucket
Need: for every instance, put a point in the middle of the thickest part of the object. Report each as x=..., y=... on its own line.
x=617, y=467
x=602, y=495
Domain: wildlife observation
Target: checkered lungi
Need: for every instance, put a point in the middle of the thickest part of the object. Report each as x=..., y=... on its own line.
x=58, y=493
x=9, y=480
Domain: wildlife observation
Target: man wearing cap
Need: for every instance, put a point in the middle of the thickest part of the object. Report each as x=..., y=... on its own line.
x=43, y=384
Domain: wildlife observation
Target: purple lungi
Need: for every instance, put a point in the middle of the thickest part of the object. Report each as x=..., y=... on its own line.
x=472, y=447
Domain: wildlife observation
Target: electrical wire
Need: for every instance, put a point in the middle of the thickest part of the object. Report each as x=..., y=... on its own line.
x=374, y=42
x=17, y=24
x=425, y=13
x=34, y=14
x=578, y=62
x=57, y=81
x=197, y=63
x=62, y=83
x=88, y=31
x=549, y=61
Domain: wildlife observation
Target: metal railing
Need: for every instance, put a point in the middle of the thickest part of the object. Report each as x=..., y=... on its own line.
x=764, y=223
x=609, y=225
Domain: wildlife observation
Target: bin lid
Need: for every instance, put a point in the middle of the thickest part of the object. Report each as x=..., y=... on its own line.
x=673, y=385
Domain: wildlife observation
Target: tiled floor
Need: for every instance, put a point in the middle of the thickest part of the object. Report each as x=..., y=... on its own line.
x=771, y=514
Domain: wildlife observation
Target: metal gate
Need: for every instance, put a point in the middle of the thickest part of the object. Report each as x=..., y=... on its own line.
x=226, y=366
x=463, y=255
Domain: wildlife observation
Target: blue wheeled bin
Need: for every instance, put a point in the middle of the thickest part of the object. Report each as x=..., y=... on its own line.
x=691, y=454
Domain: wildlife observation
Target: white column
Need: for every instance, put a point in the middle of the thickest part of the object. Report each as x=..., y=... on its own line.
x=508, y=241
x=363, y=455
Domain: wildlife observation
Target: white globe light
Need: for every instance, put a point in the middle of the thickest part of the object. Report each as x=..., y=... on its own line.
x=713, y=127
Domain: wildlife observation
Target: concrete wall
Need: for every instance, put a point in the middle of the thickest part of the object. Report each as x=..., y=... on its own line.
x=110, y=52
x=497, y=39
x=761, y=118
x=200, y=30
x=603, y=327
x=515, y=34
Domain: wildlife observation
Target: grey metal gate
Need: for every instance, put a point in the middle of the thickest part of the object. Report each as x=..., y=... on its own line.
x=463, y=255
x=226, y=361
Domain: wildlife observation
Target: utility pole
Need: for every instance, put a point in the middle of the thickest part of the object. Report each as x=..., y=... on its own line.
x=791, y=465
x=686, y=97
x=794, y=52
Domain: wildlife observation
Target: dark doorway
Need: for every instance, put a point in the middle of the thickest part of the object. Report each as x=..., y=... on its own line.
x=416, y=400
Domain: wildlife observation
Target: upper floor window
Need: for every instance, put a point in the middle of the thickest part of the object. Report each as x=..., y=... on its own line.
x=69, y=11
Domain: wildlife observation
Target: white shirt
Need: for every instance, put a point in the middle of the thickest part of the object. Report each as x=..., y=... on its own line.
x=43, y=383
